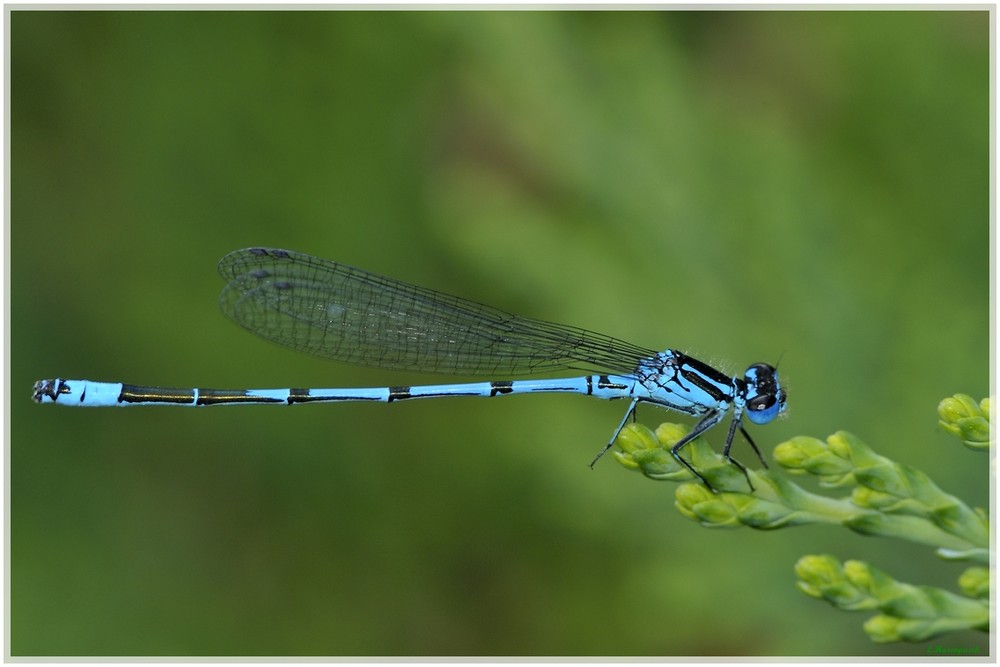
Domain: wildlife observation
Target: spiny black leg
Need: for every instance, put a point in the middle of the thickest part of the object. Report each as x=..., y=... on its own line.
x=743, y=469
x=729, y=445
x=676, y=454
x=614, y=436
x=708, y=422
x=750, y=440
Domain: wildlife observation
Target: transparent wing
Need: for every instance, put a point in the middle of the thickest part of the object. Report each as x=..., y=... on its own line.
x=346, y=314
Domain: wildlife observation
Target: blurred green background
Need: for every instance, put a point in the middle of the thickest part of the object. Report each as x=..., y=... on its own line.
x=738, y=185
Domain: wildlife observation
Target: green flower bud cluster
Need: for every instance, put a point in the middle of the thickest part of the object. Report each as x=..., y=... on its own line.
x=907, y=612
x=893, y=500
x=879, y=497
x=649, y=453
x=967, y=420
x=886, y=498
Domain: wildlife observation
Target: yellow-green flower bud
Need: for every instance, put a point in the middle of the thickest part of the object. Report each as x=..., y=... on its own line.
x=636, y=438
x=882, y=589
x=959, y=406
x=962, y=417
x=883, y=477
x=823, y=577
x=975, y=582
x=816, y=573
x=859, y=573
x=709, y=509
x=643, y=451
x=849, y=446
x=883, y=629
x=668, y=433
x=867, y=498
x=765, y=515
x=823, y=567
x=804, y=455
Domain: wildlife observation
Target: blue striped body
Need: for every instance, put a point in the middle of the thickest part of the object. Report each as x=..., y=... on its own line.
x=85, y=393
x=347, y=314
x=651, y=383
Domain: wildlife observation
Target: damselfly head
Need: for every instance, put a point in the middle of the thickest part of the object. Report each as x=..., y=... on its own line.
x=765, y=398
